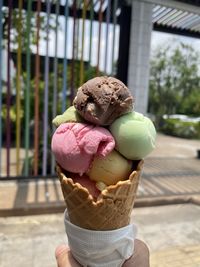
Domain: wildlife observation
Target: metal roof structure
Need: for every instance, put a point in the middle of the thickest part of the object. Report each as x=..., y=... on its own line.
x=173, y=16
x=177, y=17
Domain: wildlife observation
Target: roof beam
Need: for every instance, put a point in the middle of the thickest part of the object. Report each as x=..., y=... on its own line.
x=62, y=10
x=175, y=4
x=168, y=29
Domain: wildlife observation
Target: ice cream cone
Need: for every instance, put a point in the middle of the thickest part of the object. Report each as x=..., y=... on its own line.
x=110, y=211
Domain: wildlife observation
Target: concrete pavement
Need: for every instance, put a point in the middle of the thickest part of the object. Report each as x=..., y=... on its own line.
x=171, y=232
x=171, y=175
x=175, y=147
x=164, y=181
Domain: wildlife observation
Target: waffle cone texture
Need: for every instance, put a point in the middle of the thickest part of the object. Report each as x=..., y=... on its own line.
x=112, y=209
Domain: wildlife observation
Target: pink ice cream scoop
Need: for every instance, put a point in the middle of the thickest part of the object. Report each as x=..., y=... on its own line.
x=75, y=144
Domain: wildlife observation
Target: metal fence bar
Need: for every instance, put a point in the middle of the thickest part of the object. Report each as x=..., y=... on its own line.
x=55, y=71
x=99, y=36
x=91, y=29
x=108, y=12
x=114, y=29
x=37, y=81
x=27, y=90
x=82, y=45
x=18, y=87
x=78, y=23
x=1, y=41
x=77, y=43
x=46, y=95
x=64, y=93
x=73, y=52
x=8, y=97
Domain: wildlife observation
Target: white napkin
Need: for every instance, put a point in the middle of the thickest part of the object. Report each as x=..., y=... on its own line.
x=100, y=248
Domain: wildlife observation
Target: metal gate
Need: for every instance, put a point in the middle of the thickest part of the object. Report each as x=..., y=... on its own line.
x=48, y=49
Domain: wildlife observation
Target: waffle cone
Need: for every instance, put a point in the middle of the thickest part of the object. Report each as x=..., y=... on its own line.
x=110, y=211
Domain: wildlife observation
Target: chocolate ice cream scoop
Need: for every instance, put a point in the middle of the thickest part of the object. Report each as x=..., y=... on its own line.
x=103, y=99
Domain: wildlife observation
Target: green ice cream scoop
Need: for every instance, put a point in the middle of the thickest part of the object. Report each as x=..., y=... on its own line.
x=70, y=115
x=134, y=135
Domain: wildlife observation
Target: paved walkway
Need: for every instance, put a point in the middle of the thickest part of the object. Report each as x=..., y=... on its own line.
x=171, y=175
x=171, y=232
x=164, y=181
x=180, y=184
x=174, y=147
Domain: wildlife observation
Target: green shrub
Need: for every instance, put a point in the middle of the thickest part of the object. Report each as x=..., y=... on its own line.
x=182, y=129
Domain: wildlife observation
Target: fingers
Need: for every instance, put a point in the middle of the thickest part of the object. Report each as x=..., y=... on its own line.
x=140, y=256
x=64, y=258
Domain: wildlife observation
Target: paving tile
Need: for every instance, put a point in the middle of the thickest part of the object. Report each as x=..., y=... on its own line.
x=177, y=256
x=34, y=238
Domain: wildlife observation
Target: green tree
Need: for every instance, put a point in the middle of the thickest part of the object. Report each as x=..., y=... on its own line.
x=174, y=82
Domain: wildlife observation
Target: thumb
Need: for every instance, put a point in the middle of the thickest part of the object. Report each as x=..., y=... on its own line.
x=64, y=257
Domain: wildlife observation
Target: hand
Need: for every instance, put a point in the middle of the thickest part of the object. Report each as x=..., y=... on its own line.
x=140, y=256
